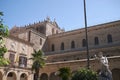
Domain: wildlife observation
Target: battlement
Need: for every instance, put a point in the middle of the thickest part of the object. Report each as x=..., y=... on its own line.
x=46, y=27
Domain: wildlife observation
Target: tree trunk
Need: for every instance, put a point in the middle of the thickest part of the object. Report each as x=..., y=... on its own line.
x=36, y=76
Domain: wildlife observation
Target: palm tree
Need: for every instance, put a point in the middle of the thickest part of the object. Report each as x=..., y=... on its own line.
x=38, y=62
x=64, y=73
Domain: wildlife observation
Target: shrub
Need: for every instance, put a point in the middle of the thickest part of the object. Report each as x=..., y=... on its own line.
x=84, y=74
x=65, y=73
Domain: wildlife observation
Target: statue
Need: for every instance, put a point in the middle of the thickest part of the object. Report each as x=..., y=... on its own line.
x=105, y=73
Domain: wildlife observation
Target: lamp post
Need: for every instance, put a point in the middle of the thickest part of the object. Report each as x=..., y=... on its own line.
x=86, y=35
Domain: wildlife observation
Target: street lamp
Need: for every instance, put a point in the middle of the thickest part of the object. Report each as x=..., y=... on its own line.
x=86, y=34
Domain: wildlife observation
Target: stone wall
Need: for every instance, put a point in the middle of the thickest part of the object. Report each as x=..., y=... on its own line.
x=37, y=39
x=18, y=47
x=100, y=31
x=14, y=71
x=79, y=52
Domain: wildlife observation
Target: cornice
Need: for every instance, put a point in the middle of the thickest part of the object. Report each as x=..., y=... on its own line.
x=90, y=28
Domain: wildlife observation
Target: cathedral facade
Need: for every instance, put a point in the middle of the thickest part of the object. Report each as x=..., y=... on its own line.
x=62, y=49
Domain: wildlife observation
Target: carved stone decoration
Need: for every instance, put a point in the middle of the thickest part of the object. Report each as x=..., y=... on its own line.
x=105, y=73
x=23, y=49
x=12, y=46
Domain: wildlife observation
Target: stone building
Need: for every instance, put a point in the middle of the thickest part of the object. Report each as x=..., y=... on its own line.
x=18, y=53
x=66, y=48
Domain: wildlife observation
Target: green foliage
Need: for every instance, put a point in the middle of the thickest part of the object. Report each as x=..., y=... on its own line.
x=2, y=51
x=85, y=74
x=4, y=62
x=3, y=33
x=38, y=61
x=64, y=73
x=1, y=14
x=3, y=30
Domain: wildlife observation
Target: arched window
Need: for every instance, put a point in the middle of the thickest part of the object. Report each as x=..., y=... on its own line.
x=72, y=44
x=53, y=47
x=62, y=46
x=40, y=41
x=53, y=30
x=109, y=38
x=84, y=42
x=96, y=40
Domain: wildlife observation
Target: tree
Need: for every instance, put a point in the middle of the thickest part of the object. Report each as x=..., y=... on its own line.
x=64, y=73
x=38, y=62
x=3, y=49
x=84, y=74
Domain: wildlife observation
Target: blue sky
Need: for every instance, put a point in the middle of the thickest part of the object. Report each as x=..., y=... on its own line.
x=68, y=13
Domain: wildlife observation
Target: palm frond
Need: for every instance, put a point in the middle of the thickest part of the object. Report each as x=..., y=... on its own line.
x=38, y=60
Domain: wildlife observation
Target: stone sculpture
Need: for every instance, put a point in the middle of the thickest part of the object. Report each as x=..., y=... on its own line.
x=105, y=73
